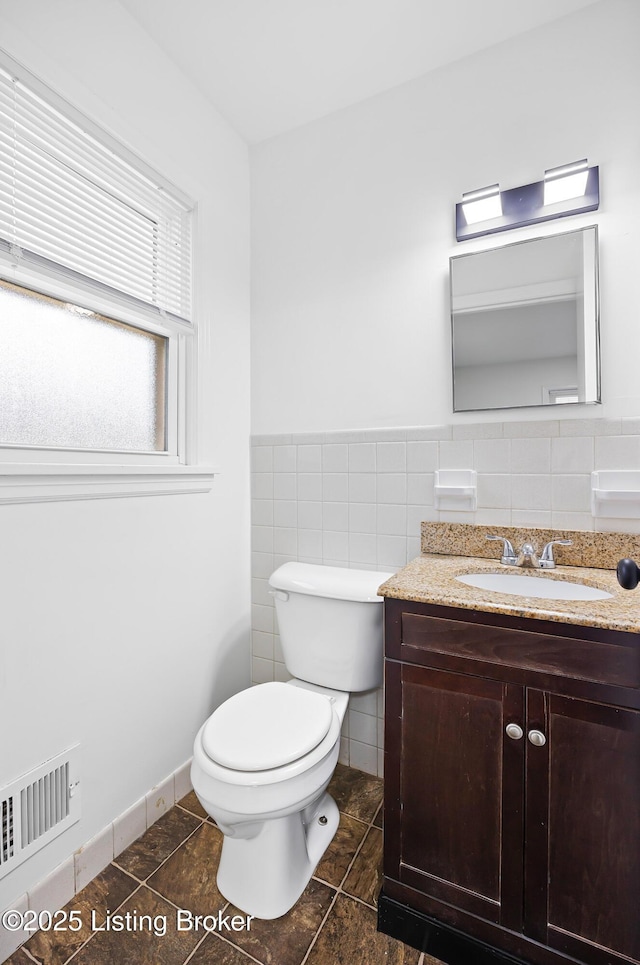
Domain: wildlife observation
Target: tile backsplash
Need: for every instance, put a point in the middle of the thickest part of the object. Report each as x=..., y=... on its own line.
x=357, y=498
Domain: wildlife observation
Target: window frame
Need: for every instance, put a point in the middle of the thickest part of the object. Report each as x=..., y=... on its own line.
x=41, y=473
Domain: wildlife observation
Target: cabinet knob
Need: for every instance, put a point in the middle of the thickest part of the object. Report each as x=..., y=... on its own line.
x=514, y=731
x=537, y=738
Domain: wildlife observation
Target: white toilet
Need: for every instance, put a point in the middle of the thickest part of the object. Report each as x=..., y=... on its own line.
x=263, y=760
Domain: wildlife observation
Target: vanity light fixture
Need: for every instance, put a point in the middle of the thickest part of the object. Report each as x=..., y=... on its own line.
x=569, y=189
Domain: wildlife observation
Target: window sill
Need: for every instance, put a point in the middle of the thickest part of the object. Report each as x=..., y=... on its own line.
x=32, y=483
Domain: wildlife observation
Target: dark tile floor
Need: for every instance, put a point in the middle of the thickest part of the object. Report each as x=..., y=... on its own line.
x=173, y=866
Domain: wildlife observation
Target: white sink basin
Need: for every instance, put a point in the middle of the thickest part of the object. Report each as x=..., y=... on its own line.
x=537, y=586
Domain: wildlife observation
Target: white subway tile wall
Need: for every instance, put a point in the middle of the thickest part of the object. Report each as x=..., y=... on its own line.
x=357, y=499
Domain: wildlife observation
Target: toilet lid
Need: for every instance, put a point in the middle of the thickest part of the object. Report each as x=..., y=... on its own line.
x=266, y=726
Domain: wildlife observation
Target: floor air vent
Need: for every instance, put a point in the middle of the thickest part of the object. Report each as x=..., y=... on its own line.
x=38, y=807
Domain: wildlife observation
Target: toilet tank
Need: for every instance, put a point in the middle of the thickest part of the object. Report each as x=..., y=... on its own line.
x=330, y=622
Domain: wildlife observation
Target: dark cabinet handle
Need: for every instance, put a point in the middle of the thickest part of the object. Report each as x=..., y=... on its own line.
x=628, y=574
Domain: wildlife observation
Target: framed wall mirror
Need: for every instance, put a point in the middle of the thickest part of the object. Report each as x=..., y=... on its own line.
x=525, y=323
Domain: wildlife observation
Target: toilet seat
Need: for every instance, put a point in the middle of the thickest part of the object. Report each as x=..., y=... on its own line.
x=267, y=726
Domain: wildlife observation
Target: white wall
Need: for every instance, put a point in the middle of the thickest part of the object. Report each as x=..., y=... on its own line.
x=353, y=223
x=124, y=621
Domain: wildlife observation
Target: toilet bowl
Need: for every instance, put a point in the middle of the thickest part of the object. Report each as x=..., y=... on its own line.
x=263, y=760
x=277, y=820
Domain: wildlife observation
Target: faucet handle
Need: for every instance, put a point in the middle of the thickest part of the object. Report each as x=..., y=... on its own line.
x=547, y=561
x=509, y=556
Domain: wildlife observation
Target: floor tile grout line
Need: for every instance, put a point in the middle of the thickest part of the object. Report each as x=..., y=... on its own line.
x=339, y=889
x=164, y=860
x=250, y=958
x=338, y=892
x=359, y=901
x=194, y=950
x=94, y=933
x=188, y=811
x=124, y=871
x=320, y=927
x=355, y=855
x=26, y=951
x=169, y=901
x=138, y=884
x=221, y=911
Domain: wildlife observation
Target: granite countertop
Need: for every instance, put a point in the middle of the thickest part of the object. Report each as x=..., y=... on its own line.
x=430, y=578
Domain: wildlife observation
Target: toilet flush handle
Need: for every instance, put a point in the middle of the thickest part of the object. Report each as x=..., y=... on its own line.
x=279, y=595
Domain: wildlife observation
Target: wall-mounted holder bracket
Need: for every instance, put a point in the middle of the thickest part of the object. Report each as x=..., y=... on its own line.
x=456, y=489
x=615, y=493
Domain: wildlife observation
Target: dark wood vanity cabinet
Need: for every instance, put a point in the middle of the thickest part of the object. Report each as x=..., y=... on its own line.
x=512, y=788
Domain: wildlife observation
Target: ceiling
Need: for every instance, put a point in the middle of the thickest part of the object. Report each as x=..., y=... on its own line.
x=271, y=65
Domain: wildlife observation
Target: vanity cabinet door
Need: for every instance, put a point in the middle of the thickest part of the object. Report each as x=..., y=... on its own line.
x=454, y=790
x=582, y=870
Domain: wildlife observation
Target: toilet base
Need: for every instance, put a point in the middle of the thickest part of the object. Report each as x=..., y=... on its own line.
x=265, y=875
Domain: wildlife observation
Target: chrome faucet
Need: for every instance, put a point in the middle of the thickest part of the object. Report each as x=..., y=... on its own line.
x=527, y=553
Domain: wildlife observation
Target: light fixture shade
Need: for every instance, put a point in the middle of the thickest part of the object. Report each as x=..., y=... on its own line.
x=565, y=182
x=482, y=205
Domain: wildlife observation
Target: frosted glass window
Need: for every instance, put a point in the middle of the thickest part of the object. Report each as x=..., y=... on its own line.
x=75, y=379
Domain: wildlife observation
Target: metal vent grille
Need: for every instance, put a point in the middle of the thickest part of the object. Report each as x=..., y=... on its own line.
x=44, y=803
x=38, y=807
x=6, y=844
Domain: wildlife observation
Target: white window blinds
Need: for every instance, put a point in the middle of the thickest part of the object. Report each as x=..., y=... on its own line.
x=70, y=199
